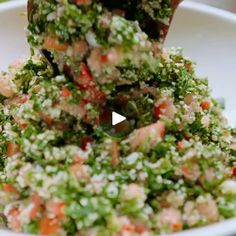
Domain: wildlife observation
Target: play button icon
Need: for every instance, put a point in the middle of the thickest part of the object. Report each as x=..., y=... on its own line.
x=117, y=118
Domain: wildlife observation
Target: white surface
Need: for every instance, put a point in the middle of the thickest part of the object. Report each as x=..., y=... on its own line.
x=12, y=34
x=208, y=36
x=117, y=118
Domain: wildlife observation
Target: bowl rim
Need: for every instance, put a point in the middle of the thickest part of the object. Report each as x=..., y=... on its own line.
x=14, y=4
x=213, y=229
x=187, y=5
x=209, y=10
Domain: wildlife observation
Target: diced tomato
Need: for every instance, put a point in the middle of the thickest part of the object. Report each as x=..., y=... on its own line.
x=131, y=228
x=77, y=159
x=140, y=229
x=181, y=145
x=162, y=129
x=177, y=226
x=48, y=226
x=128, y=227
x=188, y=66
x=158, y=110
x=77, y=110
x=114, y=55
x=9, y=188
x=104, y=59
x=52, y=43
x=14, y=223
x=191, y=171
x=154, y=133
x=65, y=92
x=165, y=108
x=85, y=141
x=85, y=78
x=76, y=167
x=22, y=124
x=205, y=105
x=47, y=119
x=234, y=171
x=12, y=149
x=80, y=48
x=24, y=99
x=94, y=60
x=36, y=206
x=56, y=207
x=115, y=153
x=79, y=171
x=82, y=2
x=86, y=82
x=185, y=170
x=94, y=95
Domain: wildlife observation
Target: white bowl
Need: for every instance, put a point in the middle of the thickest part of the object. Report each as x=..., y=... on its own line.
x=208, y=36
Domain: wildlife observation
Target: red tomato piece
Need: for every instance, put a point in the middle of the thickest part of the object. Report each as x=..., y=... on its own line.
x=65, y=92
x=205, y=105
x=85, y=141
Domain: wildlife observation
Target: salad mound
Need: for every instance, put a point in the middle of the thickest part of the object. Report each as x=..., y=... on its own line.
x=65, y=170
x=100, y=46
x=170, y=167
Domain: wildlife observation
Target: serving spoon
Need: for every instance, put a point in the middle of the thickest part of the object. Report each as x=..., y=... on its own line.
x=156, y=30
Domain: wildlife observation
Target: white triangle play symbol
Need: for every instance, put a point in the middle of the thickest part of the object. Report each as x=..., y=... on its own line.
x=117, y=118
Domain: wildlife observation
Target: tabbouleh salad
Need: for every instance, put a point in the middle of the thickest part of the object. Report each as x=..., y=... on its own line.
x=64, y=170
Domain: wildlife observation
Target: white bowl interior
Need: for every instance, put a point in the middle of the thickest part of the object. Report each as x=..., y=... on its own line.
x=13, y=22
x=208, y=36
